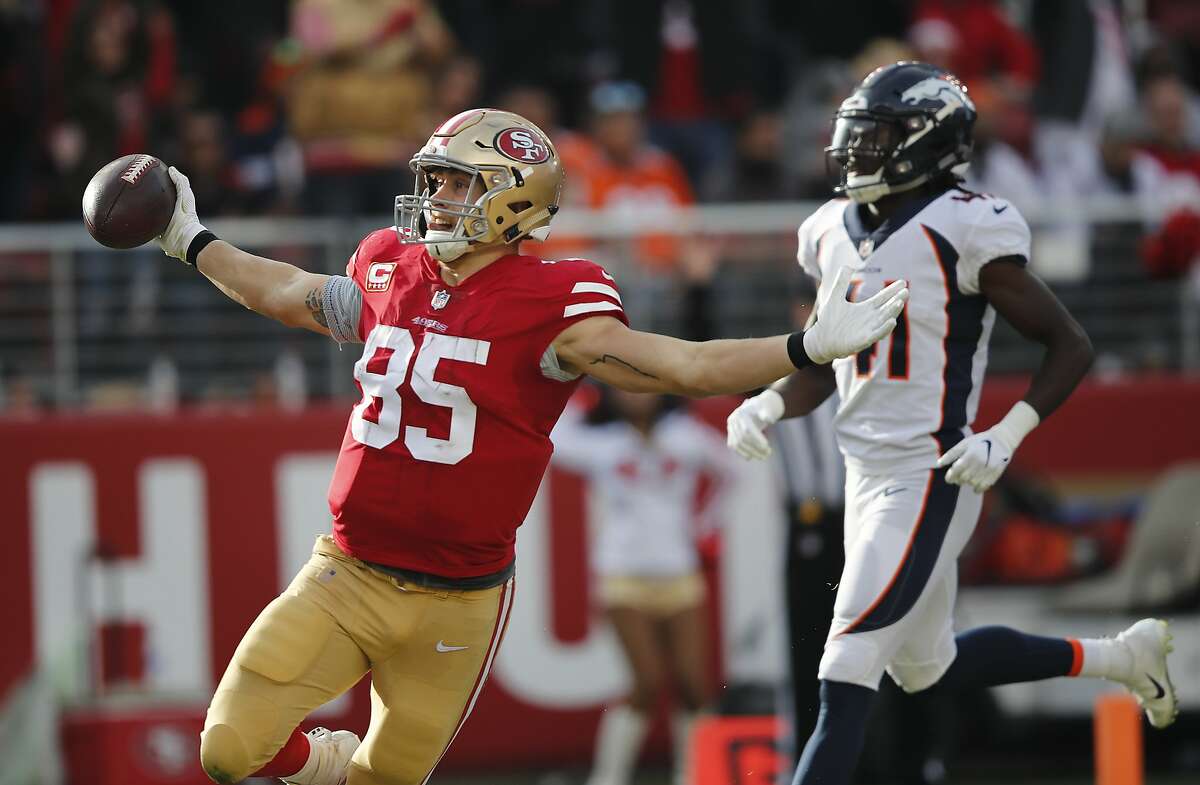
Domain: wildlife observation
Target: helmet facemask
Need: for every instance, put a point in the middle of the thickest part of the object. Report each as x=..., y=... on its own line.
x=513, y=180
x=413, y=212
x=858, y=154
x=869, y=155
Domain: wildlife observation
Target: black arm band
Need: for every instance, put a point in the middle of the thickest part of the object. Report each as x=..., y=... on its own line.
x=198, y=244
x=796, y=351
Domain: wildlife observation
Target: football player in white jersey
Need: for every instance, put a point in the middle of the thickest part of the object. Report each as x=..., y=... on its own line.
x=915, y=471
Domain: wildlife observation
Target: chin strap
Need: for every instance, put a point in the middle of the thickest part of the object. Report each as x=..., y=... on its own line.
x=540, y=233
x=886, y=189
x=449, y=250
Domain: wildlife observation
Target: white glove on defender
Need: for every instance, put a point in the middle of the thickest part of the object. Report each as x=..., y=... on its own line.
x=744, y=428
x=844, y=328
x=979, y=460
x=184, y=224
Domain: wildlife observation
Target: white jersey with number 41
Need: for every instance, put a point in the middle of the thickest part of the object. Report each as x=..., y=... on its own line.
x=915, y=393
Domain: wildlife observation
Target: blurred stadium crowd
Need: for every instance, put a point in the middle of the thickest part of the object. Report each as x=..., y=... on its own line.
x=313, y=108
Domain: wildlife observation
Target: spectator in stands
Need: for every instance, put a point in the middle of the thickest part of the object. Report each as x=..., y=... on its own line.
x=579, y=154
x=634, y=180
x=690, y=58
x=118, y=77
x=646, y=462
x=808, y=111
x=1172, y=180
x=1003, y=162
x=203, y=155
x=361, y=100
x=1085, y=79
x=553, y=44
x=753, y=173
x=580, y=158
x=1171, y=139
x=976, y=41
x=458, y=86
x=22, y=72
x=267, y=163
x=225, y=47
x=117, y=81
x=1147, y=153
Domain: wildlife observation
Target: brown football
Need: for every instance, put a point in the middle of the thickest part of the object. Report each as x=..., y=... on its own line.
x=129, y=202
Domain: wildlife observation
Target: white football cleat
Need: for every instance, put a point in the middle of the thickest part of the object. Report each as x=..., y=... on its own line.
x=1149, y=642
x=329, y=755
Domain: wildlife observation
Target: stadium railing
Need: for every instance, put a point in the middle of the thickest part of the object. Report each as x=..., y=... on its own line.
x=82, y=325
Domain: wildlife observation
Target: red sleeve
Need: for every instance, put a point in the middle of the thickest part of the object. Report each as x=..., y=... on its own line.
x=581, y=290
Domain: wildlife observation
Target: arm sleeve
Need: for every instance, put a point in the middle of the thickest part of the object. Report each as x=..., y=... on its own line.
x=999, y=232
x=348, y=296
x=342, y=303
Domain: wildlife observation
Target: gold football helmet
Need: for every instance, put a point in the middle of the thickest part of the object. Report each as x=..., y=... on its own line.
x=513, y=166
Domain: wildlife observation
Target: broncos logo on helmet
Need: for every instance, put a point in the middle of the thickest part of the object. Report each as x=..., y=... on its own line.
x=951, y=93
x=904, y=125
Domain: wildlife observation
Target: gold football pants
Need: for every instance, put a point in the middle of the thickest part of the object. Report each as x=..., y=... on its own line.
x=428, y=650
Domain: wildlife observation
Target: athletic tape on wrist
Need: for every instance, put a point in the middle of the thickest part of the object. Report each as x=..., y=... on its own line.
x=198, y=244
x=796, y=351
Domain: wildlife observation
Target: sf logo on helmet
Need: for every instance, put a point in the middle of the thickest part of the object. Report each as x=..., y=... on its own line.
x=522, y=145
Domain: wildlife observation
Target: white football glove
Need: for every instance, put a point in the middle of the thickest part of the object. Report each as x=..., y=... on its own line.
x=844, y=328
x=979, y=460
x=744, y=428
x=184, y=224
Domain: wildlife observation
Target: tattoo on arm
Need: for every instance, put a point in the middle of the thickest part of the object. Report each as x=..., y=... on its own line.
x=609, y=358
x=313, y=301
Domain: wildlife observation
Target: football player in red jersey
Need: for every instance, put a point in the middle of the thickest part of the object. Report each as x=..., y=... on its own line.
x=471, y=352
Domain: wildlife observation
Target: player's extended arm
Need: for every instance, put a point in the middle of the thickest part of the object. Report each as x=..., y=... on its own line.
x=1028, y=305
x=279, y=290
x=606, y=349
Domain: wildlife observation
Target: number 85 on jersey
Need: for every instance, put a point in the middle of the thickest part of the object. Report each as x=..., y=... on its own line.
x=385, y=388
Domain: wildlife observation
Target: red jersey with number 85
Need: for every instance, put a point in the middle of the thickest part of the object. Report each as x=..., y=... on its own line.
x=444, y=453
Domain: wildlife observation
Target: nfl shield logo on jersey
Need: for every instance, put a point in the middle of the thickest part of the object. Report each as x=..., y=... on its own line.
x=440, y=298
x=866, y=247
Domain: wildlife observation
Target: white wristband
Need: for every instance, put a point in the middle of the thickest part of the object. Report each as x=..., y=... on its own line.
x=1016, y=425
x=771, y=405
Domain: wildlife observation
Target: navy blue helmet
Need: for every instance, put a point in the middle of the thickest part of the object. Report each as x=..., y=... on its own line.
x=904, y=125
